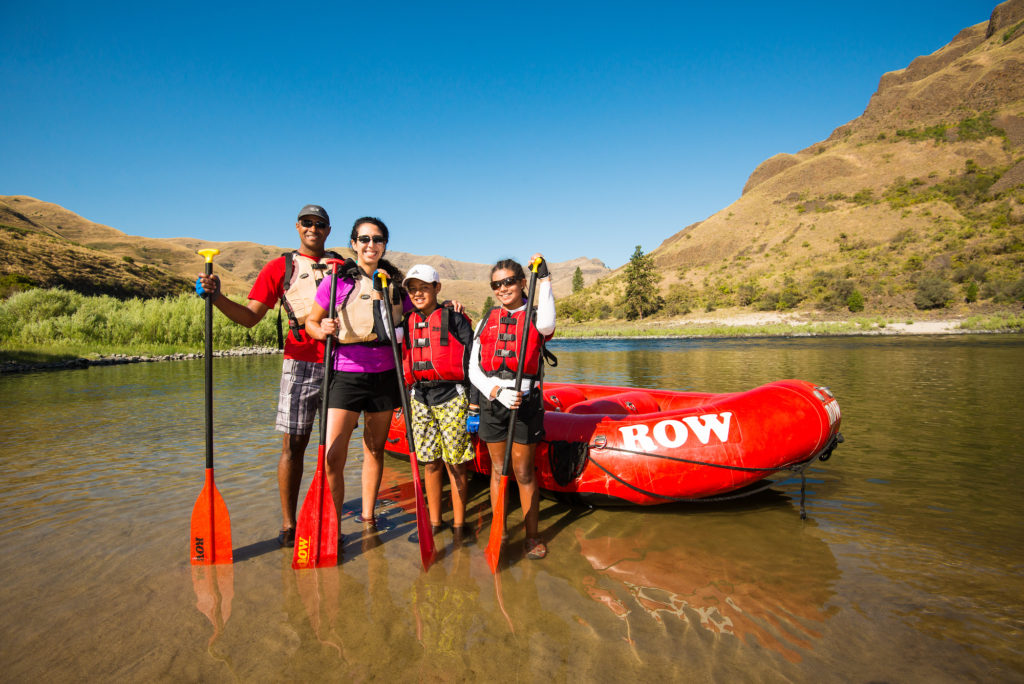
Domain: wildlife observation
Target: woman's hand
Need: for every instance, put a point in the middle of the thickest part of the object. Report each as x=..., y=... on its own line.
x=508, y=397
x=329, y=327
x=542, y=269
x=454, y=304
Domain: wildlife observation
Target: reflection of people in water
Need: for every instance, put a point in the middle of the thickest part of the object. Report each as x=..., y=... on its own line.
x=445, y=609
x=746, y=582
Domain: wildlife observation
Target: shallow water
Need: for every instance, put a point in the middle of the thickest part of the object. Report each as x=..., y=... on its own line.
x=909, y=567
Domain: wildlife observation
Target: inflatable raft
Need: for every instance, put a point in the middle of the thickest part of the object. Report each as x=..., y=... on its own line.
x=618, y=445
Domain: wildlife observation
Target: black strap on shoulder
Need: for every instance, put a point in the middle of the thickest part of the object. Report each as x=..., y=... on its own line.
x=288, y=266
x=445, y=318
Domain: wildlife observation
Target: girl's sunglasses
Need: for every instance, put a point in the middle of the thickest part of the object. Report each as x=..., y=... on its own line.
x=504, y=282
x=377, y=239
x=306, y=223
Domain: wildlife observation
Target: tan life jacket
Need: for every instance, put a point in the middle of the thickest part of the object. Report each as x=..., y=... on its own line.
x=302, y=276
x=356, y=312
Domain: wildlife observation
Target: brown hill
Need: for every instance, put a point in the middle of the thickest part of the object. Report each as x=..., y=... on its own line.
x=926, y=184
x=46, y=245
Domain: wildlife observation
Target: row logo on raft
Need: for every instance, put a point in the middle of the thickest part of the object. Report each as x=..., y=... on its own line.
x=671, y=433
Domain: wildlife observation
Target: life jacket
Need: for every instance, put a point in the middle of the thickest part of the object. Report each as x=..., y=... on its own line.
x=356, y=312
x=432, y=354
x=499, y=344
x=302, y=276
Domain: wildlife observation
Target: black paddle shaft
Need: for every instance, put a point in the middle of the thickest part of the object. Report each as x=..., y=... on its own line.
x=208, y=368
x=398, y=372
x=328, y=348
x=521, y=363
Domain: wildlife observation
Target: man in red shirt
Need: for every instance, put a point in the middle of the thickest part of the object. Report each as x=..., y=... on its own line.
x=302, y=372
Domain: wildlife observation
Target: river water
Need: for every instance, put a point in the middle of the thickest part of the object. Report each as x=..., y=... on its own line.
x=910, y=566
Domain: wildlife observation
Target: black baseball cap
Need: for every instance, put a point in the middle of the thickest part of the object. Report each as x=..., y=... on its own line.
x=314, y=210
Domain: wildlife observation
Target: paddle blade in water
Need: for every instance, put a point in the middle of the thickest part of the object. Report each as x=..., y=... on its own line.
x=423, y=528
x=211, y=527
x=316, y=531
x=493, y=551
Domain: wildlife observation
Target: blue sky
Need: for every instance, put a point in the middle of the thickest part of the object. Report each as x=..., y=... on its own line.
x=475, y=130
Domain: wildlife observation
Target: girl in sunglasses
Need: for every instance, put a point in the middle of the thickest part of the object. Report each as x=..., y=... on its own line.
x=492, y=370
x=363, y=378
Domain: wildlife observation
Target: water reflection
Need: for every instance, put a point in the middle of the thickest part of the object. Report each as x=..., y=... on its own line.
x=770, y=588
x=913, y=545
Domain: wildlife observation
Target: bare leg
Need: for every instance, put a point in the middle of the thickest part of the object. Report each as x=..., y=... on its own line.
x=457, y=476
x=433, y=483
x=496, y=450
x=529, y=492
x=340, y=424
x=375, y=435
x=289, y=476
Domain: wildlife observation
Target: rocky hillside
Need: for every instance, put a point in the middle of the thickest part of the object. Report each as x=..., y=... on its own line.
x=924, y=191
x=45, y=245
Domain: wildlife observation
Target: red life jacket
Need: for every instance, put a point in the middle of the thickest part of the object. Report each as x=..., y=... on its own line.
x=499, y=345
x=432, y=354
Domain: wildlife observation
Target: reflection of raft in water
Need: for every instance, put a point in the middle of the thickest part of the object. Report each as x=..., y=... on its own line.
x=618, y=445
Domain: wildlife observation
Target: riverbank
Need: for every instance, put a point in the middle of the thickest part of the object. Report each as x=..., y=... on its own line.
x=23, y=366
x=745, y=323
x=734, y=323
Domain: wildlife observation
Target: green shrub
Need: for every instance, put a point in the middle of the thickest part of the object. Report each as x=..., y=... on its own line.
x=933, y=292
x=855, y=302
x=978, y=128
x=971, y=293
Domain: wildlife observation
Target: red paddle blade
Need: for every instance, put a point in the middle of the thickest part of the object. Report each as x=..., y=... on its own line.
x=423, y=529
x=316, y=530
x=211, y=527
x=493, y=551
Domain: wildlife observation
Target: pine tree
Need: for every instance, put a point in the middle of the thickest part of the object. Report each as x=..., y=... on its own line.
x=577, y=280
x=641, y=297
x=488, y=305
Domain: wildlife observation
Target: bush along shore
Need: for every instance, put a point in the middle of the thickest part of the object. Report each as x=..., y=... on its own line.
x=117, y=359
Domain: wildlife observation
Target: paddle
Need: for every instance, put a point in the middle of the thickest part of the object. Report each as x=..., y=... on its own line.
x=211, y=527
x=425, y=534
x=493, y=550
x=316, y=530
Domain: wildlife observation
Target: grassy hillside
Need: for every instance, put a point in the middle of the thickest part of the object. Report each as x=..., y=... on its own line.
x=916, y=205
x=45, y=245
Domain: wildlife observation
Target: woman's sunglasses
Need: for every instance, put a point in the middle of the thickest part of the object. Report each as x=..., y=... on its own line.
x=377, y=239
x=504, y=282
x=306, y=223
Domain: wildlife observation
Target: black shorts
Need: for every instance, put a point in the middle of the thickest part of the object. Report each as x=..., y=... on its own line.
x=370, y=392
x=529, y=427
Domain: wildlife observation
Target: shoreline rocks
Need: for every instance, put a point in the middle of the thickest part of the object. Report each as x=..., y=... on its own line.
x=118, y=359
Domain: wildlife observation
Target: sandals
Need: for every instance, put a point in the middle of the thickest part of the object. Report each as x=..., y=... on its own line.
x=286, y=537
x=372, y=520
x=535, y=549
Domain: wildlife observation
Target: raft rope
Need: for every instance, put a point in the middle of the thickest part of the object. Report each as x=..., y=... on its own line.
x=799, y=468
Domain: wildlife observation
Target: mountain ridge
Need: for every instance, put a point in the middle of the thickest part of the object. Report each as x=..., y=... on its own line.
x=76, y=253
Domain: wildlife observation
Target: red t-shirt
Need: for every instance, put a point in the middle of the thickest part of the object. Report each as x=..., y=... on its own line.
x=267, y=291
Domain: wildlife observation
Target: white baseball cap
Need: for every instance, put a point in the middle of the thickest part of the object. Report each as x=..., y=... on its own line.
x=421, y=272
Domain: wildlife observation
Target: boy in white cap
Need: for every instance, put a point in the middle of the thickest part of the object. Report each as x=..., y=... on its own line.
x=435, y=360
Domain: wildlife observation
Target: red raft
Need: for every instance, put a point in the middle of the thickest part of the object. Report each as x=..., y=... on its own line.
x=618, y=445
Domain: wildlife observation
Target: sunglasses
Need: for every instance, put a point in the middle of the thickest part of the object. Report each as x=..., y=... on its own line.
x=377, y=239
x=504, y=282
x=306, y=223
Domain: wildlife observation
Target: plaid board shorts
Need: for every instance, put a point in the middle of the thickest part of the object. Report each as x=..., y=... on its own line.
x=440, y=431
x=299, y=401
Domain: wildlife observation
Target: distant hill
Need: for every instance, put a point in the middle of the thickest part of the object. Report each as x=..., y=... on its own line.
x=924, y=188
x=46, y=245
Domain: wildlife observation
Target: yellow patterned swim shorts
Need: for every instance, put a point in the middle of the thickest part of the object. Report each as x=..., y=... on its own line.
x=440, y=431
